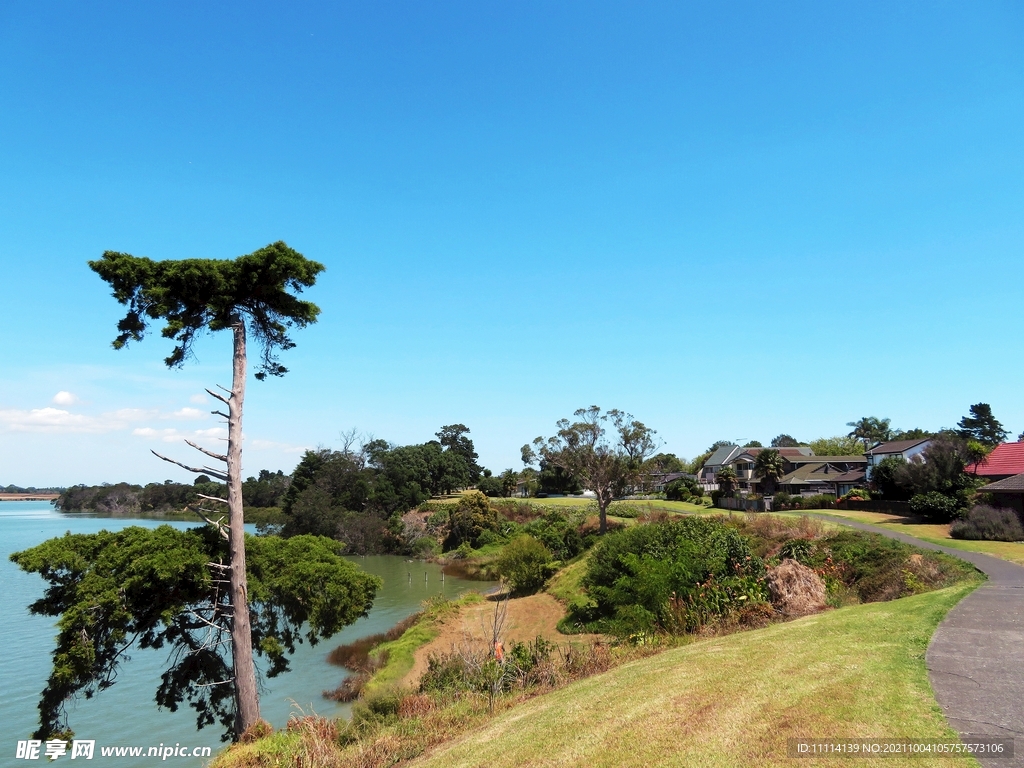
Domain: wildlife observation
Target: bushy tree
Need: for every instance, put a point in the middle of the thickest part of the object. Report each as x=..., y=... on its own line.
x=840, y=445
x=164, y=588
x=523, y=563
x=663, y=463
x=471, y=516
x=982, y=426
x=784, y=441
x=605, y=451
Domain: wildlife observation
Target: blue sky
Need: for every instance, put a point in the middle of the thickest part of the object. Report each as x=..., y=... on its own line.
x=732, y=220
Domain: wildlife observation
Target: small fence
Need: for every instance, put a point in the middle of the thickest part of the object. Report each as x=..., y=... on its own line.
x=746, y=505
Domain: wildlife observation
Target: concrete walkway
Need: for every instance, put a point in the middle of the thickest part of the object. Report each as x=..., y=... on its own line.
x=976, y=656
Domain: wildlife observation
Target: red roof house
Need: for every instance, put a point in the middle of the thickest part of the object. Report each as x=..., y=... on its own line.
x=1006, y=460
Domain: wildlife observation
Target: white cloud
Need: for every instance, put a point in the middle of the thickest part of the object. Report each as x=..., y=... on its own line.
x=188, y=413
x=171, y=435
x=47, y=420
x=64, y=398
x=270, y=445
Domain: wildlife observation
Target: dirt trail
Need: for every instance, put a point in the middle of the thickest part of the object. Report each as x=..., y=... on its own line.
x=527, y=618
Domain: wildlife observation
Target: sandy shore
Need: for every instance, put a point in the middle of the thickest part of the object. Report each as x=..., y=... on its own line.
x=28, y=496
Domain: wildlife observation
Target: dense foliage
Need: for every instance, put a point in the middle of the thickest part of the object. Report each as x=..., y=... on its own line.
x=524, y=564
x=666, y=576
x=264, y=491
x=942, y=472
x=155, y=588
x=990, y=524
x=359, y=496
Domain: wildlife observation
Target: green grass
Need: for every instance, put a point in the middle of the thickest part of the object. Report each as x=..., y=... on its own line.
x=400, y=653
x=568, y=582
x=733, y=701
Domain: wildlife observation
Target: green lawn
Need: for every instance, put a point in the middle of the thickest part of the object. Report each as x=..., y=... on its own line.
x=733, y=701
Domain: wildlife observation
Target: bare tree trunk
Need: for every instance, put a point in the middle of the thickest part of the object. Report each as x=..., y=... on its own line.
x=602, y=509
x=247, y=702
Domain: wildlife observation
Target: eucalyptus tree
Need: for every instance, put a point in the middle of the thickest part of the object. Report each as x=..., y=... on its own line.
x=605, y=451
x=252, y=295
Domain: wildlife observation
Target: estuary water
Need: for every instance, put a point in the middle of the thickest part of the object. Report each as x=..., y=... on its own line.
x=126, y=714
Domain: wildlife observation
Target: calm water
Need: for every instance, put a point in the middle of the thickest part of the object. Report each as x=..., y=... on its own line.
x=126, y=713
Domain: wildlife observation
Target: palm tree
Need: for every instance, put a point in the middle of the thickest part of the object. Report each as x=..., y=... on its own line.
x=726, y=478
x=870, y=429
x=769, y=467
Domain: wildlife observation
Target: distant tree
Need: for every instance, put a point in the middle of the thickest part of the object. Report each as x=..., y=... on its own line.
x=664, y=463
x=719, y=444
x=769, y=467
x=982, y=426
x=453, y=438
x=488, y=484
x=251, y=295
x=753, y=444
x=840, y=445
x=509, y=481
x=605, y=451
x=727, y=481
x=870, y=429
x=784, y=441
x=912, y=434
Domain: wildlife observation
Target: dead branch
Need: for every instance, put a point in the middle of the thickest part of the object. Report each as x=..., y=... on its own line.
x=218, y=524
x=220, y=413
x=212, y=498
x=203, y=471
x=211, y=454
x=223, y=399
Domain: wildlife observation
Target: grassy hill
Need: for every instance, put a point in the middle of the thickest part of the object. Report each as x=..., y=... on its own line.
x=733, y=701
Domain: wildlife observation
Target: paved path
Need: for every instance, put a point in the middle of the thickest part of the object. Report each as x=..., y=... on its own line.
x=976, y=656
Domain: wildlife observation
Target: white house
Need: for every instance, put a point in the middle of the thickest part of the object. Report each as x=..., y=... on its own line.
x=904, y=449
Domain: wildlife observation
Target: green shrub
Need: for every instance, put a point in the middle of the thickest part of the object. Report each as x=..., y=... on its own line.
x=559, y=531
x=471, y=516
x=796, y=549
x=682, y=489
x=644, y=577
x=426, y=546
x=989, y=524
x=935, y=506
x=523, y=563
x=876, y=568
x=440, y=517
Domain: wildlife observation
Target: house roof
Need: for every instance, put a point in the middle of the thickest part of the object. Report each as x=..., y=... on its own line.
x=806, y=474
x=1013, y=484
x=853, y=476
x=722, y=455
x=1005, y=459
x=896, y=446
x=790, y=454
x=858, y=459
